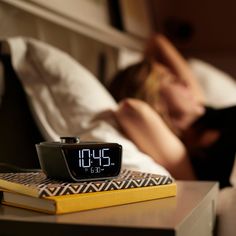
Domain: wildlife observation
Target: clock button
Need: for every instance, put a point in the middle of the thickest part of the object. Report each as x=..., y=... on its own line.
x=70, y=140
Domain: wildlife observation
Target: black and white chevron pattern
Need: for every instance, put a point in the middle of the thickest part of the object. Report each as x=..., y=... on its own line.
x=48, y=187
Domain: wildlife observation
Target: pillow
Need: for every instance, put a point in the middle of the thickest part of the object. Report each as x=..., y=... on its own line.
x=64, y=94
x=219, y=87
x=67, y=100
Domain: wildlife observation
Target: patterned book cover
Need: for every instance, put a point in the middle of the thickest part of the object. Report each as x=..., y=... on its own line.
x=38, y=185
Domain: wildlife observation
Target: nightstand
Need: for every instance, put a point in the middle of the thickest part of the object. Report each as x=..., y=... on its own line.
x=191, y=212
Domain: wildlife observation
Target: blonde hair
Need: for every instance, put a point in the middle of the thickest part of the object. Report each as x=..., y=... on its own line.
x=136, y=81
x=141, y=81
x=150, y=89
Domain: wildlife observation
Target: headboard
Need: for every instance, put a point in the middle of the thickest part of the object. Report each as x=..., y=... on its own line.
x=99, y=47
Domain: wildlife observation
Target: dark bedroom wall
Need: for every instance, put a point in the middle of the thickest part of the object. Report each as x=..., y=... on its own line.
x=200, y=28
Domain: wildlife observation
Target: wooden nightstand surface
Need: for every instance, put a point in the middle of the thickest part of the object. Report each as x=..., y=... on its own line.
x=191, y=212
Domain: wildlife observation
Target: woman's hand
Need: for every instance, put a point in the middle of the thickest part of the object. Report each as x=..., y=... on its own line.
x=177, y=99
x=183, y=107
x=160, y=49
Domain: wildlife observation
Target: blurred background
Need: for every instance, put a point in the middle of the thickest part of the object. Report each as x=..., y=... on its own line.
x=201, y=29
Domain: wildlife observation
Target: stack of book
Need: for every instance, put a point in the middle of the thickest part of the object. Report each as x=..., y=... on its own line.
x=36, y=192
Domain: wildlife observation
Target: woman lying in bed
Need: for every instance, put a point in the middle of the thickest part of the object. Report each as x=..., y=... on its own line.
x=162, y=109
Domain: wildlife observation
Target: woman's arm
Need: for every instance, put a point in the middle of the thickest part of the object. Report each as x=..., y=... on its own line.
x=161, y=49
x=148, y=131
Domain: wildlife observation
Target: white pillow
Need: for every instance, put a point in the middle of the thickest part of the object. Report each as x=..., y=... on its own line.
x=65, y=92
x=66, y=99
x=219, y=87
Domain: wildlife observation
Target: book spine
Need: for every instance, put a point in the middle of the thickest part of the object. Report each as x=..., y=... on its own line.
x=87, y=201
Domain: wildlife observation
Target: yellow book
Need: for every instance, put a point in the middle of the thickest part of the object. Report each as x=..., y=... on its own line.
x=35, y=191
x=87, y=201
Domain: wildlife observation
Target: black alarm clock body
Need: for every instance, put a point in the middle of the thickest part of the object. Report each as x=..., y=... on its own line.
x=80, y=161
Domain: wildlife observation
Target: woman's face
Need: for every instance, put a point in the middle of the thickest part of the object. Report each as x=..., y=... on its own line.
x=176, y=94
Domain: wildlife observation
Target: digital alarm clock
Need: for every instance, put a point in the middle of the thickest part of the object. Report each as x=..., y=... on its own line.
x=73, y=160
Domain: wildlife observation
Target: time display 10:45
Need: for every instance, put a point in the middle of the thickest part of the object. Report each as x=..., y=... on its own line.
x=95, y=161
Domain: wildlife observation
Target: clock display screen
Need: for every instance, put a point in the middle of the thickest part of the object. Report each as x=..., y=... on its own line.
x=94, y=160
